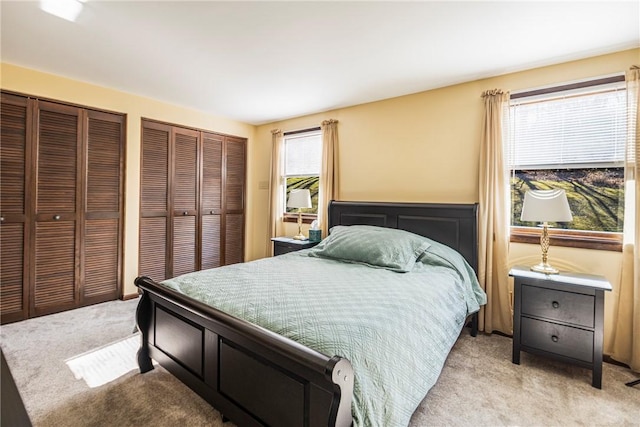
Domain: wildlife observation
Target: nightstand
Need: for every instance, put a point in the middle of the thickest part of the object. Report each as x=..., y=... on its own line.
x=283, y=245
x=560, y=316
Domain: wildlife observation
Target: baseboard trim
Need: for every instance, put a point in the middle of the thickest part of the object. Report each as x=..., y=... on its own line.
x=130, y=296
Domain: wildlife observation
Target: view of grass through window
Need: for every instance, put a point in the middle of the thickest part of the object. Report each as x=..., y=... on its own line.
x=596, y=196
x=309, y=182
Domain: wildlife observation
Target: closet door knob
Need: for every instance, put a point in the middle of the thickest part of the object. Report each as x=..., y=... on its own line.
x=211, y=212
x=56, y=217
x=555, y=304
x=554, y=338
x=185, y=213
x=1, y=219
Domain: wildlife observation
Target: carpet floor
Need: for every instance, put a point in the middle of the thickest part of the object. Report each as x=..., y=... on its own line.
x=478, y=386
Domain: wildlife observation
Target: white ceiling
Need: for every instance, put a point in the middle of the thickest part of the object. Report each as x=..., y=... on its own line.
x=259, y=62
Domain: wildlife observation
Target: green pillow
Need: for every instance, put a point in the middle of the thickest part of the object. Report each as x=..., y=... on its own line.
x=379, y=247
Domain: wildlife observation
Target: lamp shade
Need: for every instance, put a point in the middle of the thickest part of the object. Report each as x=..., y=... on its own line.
x=299, y=198
x=546, y=206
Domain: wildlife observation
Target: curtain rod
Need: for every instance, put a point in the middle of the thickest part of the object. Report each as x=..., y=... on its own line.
x=578, y=85
x=293, y=132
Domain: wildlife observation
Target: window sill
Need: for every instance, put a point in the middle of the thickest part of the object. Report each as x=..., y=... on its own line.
x=570, y=238
x=306, y=218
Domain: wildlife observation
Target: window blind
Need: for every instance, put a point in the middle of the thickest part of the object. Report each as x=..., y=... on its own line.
x=579, y=128
x=303, y=154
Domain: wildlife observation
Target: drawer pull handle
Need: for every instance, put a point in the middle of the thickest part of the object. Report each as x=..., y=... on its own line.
x=56, y=217
x=554, y=338
x=555, y=304
x=211, y=212
x=185, y=213
x=1, y=219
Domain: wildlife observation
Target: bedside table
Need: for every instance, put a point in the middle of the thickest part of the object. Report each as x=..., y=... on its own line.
x=560, y=316
x=283, y=245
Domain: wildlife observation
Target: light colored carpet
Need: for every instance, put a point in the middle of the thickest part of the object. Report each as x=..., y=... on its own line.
x=479, y=385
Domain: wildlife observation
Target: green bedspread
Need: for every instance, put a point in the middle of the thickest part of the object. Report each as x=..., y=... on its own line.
x=396, y=329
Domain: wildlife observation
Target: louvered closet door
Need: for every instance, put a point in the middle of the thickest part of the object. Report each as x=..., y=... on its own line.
x=211, y=213
x=56, y=230
x=154, y=209
x=103, y=222
x=234, y=200
x=185, y=201
x=13, y=216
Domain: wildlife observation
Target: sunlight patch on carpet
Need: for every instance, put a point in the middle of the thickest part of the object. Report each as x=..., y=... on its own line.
x=107, y=363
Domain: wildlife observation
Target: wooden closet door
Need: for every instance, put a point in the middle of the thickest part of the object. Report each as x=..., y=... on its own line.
x=235, y=161
x=154, y=206
x=185, y=248
x=103, y=207
x=211, y=212
x=56, y=231
x=14, y=150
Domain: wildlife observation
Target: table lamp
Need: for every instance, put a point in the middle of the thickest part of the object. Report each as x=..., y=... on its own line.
x=299, y=198
x=545, y=206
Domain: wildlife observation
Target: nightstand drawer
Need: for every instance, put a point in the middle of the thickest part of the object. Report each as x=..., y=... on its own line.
x=562, y=306
x=558, y=339
x=283, y=249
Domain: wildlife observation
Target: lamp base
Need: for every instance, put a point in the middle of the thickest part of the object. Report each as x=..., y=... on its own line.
x=545, y=268
x=299, y=236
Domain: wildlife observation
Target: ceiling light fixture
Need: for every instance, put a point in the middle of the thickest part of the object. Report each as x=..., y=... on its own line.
x=65, y=9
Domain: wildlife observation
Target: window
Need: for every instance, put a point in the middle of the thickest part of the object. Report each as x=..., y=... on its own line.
x=302, y=163
x=571, y=137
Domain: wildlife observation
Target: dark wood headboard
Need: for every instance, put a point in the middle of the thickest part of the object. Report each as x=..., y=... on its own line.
x=454, y=225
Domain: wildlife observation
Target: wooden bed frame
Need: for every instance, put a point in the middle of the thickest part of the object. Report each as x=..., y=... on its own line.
x=256, y=377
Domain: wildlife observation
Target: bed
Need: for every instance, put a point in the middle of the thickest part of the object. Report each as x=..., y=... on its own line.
x=276, y=375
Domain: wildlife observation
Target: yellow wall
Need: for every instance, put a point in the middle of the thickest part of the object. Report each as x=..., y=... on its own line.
x=424, y=148
x=44, y=85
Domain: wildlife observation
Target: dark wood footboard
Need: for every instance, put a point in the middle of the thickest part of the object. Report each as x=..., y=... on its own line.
x=251, y=375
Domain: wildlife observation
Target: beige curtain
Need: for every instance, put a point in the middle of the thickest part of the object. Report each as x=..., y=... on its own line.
x=275, y=189
x=329, y=174
x=493, y=216
x=625, y=342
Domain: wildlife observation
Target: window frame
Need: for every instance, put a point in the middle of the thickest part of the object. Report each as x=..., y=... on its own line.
x=599, y=240
x=584, y=239
x=307, y=218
